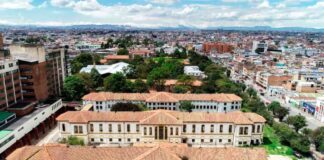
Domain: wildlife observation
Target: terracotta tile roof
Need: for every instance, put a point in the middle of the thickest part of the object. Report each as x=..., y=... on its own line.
x=160, y=117
x=117, y=57
x=160, y=97
x=159, y=152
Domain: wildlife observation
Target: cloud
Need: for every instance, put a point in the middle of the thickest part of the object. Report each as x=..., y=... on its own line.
x=16, y=4
x=165, y=2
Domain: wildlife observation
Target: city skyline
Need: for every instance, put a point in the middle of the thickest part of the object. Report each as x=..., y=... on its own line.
x=164, y=13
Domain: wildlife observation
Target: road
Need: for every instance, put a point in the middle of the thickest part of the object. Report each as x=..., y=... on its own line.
x=312, y=123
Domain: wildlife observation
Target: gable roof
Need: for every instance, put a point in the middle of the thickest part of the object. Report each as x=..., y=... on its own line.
x=174, y=152
x=161, y=116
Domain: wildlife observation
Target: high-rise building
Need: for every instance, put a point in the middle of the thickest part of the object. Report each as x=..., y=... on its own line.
x=1, y=41
x=42, y=71
x=10, y=86
x=259, y=47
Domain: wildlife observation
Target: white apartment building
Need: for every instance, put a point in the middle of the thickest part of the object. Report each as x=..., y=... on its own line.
x=319, y=111
x=103, y=101
x=197, y=129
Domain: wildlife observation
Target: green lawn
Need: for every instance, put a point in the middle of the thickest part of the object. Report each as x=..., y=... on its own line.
x=272, y=143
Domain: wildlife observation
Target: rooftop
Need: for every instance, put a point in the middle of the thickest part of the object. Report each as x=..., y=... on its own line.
x=4, y=133
x=159, y=152
x=5, y=115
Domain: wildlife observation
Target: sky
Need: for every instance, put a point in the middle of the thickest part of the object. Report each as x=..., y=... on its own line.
x=165, y=13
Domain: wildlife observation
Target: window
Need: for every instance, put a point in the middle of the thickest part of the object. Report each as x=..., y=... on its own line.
x=193, y=140
x=119, y=127
x=92, y=139
x=171, y=130
x=177, y=131
x=229, y=140
x=110, y=139
x=241, y=130
x=184, y=128
x=193, y=128
x=63, y=127
x=253, y=128
x=220, y=140
x=221, y=128
x=100, y=128
x=119, y=140
x=246, y=130
x=202, y=128
x=128, y=127
x=137, y=128
x=110, y=127
x=211, y=140
x=91, y=127
x=137, y=139
x=128, y=139
x=78, y=129
x=202, y=140
x=212, y=128
x=101, y=139
x=230, y=128
x=145, y=131
x=151, y=131
x=258, y=129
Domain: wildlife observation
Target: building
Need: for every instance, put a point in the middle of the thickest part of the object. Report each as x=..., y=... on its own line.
x=107, y=69
x=194, y=71
x=217, y=47
x=197, y=129
x=319, y=111
x=111, y=58
x=10, y=86
x=42, y=70
x=161, y=152
x=259, y=47
x=103, y=101
x=24, y=130
x=266, y=79
x=1, y=41
x=143, y=52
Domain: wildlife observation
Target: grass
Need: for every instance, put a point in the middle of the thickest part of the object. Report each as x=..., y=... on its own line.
x=272, y=143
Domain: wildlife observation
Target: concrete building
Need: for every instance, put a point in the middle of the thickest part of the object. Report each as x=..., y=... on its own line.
x=194, y=71
x=197, y=129
x=42, y=70
x=103, y=101
x=10, y=86
x=266, y=79
x=22, y=131
x=259, y=47
x=319, y=111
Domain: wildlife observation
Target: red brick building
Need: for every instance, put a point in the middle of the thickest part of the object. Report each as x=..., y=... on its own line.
x=217, y=47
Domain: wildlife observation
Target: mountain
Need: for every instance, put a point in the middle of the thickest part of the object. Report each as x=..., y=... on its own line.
x=177, y=28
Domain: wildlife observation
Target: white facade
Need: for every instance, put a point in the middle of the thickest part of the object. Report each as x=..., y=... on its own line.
x=107, y=69
x=199, y=106
x=196, y=134
x=319, y=111
x=194, y=71
x=26, y=124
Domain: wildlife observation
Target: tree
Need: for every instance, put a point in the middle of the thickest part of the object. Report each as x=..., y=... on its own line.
x=122, y=51
x=253, y=93
x=318, y=139
x=186, y=106
x=140, y=86
x=301, y=144
x=126, y=107
x=185, y=80
x=284, y=132
x=274, y=107
x=297, y=121
x=73, y=88
x=116, y=83
x=180, y=89
x=87, y=81
x=83, y=60
x=96, y=78
x=282, y=113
